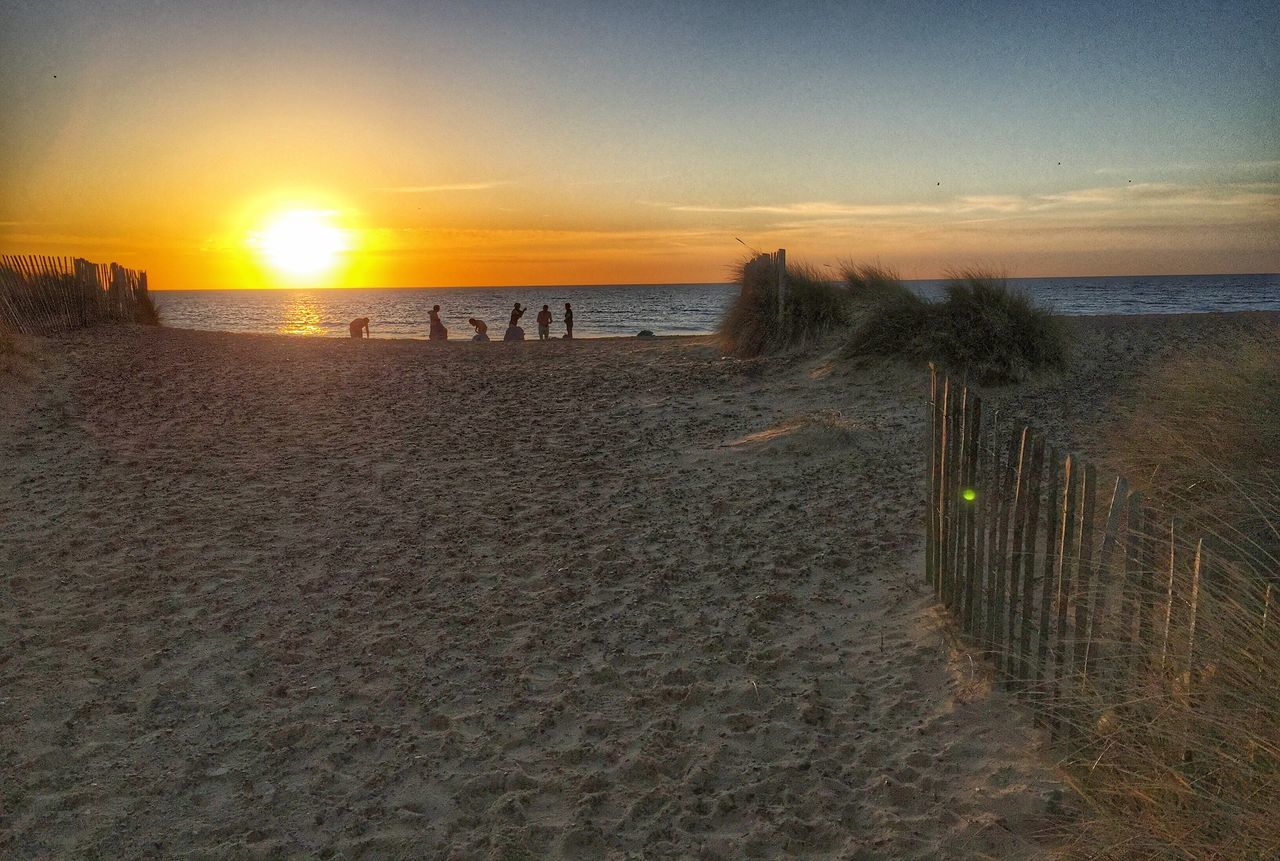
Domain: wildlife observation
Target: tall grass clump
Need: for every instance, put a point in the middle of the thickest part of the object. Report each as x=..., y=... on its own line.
x=982, y=328
x=1186, y=762
x=1204, y=439
x=145, y=311
x=756, y=323
x=995, y=332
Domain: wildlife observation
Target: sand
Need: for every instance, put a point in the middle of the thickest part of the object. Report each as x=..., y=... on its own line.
x=273, y=597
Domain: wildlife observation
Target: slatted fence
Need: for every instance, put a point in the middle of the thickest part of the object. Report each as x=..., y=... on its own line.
x=1085, y=599
x=40, y=295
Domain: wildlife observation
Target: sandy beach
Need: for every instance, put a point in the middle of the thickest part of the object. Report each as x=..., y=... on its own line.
x=279, y=597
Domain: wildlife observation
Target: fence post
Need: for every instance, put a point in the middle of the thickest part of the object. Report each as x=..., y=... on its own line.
x=1097, y=596
x=1047, y=583
x=973, y=433
x=1028, y=562
x=931, y=523
x=1084, y=561
x=780, y=272
x=1168, y=603
x=999, y=593
x=1015, y=550
x=1066, y=541
x=945, y=456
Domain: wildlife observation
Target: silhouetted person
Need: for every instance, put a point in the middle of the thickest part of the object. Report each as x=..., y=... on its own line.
x=544, y=324
x=516, y=313
x=568, y=320
x=360, y=327
x=438, y=331
x=482, y=331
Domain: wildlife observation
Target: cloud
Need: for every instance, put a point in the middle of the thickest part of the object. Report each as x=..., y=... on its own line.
x=1242, y=197
x=430, y=189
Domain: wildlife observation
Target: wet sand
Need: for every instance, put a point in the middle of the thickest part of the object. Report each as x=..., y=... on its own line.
x=271, y=597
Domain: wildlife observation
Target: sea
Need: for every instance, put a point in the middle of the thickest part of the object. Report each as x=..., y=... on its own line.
x=665, y=309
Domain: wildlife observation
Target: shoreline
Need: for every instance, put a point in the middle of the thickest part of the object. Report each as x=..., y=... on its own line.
x=1107, y=319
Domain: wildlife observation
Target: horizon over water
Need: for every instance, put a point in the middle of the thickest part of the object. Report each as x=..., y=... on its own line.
x=665, y=309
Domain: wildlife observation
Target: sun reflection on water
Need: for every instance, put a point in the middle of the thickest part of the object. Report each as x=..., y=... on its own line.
x=301, y=317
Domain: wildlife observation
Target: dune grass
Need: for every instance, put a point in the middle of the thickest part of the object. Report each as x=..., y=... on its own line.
x=983, y=328
x=757, y=323
x=1189, y=765
x=1204, y=439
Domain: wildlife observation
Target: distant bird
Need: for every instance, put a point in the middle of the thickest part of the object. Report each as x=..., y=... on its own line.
x=1059, y=164
x=939, y=183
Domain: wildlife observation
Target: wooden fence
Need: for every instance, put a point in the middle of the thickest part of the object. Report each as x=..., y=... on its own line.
x=770, y=270
x=1084, y=599
x=39, y=295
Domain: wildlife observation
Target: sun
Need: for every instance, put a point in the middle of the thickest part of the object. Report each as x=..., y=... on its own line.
x=301, y=242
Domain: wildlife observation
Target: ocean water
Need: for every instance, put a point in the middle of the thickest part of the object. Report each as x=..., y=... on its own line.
x=665, y=309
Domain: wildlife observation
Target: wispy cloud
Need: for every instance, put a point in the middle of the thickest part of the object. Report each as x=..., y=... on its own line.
x=1128, y=197
x=430, y=189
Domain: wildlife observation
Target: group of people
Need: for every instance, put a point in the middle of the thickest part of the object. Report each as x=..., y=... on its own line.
x=438, y=332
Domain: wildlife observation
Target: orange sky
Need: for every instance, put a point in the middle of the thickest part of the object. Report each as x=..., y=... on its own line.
x=571, y=145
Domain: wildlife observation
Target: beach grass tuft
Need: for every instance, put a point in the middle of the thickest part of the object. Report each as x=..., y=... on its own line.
x=757, y=323
x=983, y=328
x=145, y=311
x=1204, y=440
x=1189, y=765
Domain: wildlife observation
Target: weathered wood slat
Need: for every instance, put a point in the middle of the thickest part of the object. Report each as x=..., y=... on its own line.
x=1084, y=572
x=947, y=454
x=1027, y=561
x=1048, y=583
x=974, y=433
x=1018, y=527
x=1096, y=638
x=931, y=519
x=1000, y=602
x=1064, y=596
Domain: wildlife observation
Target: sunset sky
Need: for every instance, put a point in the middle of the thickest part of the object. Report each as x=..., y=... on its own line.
x=495, y=143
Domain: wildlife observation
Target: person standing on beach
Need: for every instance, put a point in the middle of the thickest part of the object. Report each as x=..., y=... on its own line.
x=544, y=324
x=568, y=320
x=360, y=327
x=516, y=313
x=438, y=331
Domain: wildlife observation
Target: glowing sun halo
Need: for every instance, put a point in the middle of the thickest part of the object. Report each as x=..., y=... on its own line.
x=301, y=242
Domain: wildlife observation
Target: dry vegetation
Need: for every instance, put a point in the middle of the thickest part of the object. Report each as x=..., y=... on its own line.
x=1190, y=766
x=1205, y=440
x=757, y=323
x=983, y=329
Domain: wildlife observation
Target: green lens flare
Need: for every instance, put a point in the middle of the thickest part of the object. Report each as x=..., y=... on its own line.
x=969, y=494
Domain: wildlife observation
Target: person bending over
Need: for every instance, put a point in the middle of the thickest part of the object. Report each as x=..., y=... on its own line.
x=360, y=327
x=544, y=324
x=438, y=331
x=482, y=331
